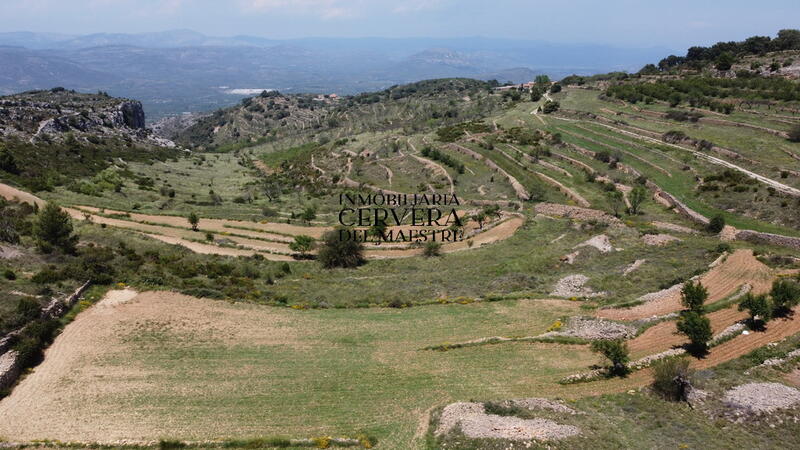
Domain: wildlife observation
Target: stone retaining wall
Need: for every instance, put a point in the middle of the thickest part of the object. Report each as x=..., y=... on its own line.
x=768, y=238
x=10, y=365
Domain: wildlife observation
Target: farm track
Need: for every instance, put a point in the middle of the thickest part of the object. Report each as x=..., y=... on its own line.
x=714, y=160
x=612, y=148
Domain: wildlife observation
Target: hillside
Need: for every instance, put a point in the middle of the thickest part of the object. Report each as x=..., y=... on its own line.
x=273, y=116
x=626, y=251
x=50, y=136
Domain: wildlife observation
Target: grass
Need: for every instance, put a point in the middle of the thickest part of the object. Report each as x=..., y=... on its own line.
x=338, y=373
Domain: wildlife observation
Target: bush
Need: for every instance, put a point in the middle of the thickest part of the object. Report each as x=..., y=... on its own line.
x=716, y=224
x=302, y=244
x=338, y=250
x=550, y=107
x=697, y=328
x=432, y=249
x=616, y=351
x=9, y=274
x=671, y=378
x=794, y=134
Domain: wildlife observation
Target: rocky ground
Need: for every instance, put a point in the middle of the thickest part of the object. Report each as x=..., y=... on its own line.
x=474, y=422
x=760, y=398
x=573, y=286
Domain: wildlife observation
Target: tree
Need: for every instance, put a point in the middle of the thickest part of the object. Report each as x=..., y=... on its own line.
x=339, y=249
x=378, y=229
x=432, y=249
x=616, y=351
x=7, y=161
x=760, y=309
x=541, y=79
x=555, y=88
x=480, y=218
x=697, y=328
x=637, y=196
x=309, y=214
x=193, y=220
x=693, y=296
x=794, y=134
x=53, y=228
x=616, y=201
x=716, y=224
x=302, y=244
x=492, y=210
x=724, y=61
x=785, y=295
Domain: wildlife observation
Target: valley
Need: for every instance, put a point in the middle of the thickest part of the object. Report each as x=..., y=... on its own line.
x=600, y=218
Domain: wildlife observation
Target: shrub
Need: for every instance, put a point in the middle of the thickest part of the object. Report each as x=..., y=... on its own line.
x=432, y=249
x=697, y=328
x=671, y=378
x=693, y=296
x=9, y=274
x=794, y=134
x=616, y=351
x=302, y=244
x=716, y=224
x=339, y=250
x=760, y=309
x=550, y=107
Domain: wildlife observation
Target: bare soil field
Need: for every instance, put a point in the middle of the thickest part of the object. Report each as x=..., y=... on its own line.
x=164, y=365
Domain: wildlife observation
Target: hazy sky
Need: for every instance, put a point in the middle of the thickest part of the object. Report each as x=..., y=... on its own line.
x=644, y=23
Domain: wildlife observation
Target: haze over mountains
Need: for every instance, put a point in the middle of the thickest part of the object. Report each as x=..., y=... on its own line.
x=176, y=71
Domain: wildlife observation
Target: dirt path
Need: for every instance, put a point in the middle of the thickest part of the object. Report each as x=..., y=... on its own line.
x=389, y=174
x=11, y=193
x=725, y=279
x=436, y=168
x=252, y=229
x=500, y=232
x=265, y=169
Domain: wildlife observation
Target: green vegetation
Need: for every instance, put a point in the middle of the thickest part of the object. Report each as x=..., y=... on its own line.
x=616, y=351
x=672, y=378
x=53, y=229
x=339, y=249
x=760, y=309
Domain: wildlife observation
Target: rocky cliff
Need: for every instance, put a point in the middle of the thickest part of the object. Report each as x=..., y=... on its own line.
x=59, y=114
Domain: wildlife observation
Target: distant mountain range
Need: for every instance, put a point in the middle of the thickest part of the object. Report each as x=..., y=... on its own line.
x=177, y=71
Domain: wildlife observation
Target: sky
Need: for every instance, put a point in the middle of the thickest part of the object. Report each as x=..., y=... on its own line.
x=674, y=24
